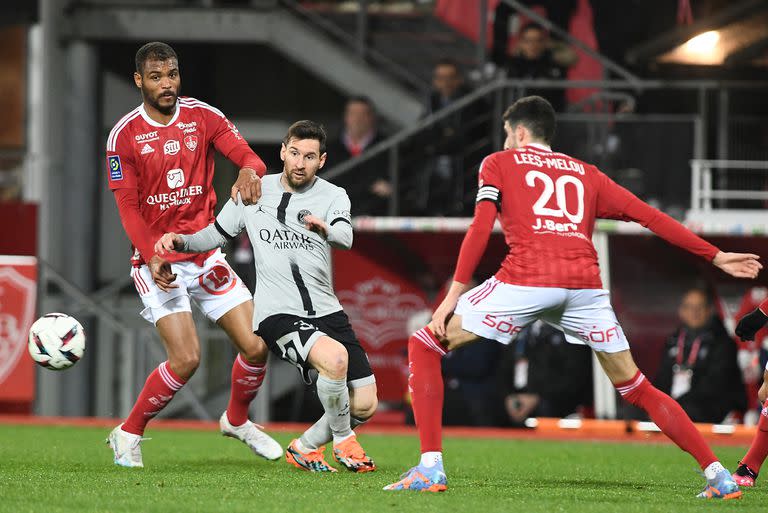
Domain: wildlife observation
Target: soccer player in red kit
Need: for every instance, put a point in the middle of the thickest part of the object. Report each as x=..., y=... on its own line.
x=547, y=203
x=160, y=165
x=749, y=466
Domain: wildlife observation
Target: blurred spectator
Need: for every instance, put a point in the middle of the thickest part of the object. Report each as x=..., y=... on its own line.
x=543, y=375
x=536, y=58
x=699, y=366
x=367, y=185
x=471, y=389
x=442, y=184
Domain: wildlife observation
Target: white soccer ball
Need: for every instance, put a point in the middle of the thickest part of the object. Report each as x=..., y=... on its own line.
x=56, y=341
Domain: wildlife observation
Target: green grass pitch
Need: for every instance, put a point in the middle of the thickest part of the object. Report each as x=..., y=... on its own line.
x=69, y=469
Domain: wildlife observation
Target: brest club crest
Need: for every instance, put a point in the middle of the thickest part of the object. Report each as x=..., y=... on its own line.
x=17, y=310
x=379, y=310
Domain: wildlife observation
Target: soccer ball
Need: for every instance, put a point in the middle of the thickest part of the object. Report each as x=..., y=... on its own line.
x=56, y=341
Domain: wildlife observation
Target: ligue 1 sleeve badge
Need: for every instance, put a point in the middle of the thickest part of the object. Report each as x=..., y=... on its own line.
x=190, y=142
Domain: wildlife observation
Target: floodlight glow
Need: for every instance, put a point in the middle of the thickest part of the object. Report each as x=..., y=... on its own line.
x=703, y=43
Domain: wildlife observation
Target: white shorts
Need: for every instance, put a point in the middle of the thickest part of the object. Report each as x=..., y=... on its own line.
x=499, y=311
x=215, y=288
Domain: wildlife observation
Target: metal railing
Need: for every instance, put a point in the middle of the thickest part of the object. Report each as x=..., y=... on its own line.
x=122, y=347
x=500, y=92
x=708, y=187
x=358, y=43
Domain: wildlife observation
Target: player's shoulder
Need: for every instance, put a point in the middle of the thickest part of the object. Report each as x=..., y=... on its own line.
x=271, y=182
x=190, y=104
x=326, y=188
x=126, y=126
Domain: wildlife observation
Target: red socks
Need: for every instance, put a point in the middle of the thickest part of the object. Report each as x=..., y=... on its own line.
x=246, y=381
x=425, y=383
x=759, y=448
x=668, y=415
x=158, y=390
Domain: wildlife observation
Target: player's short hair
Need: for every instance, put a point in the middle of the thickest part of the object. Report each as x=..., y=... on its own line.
x=534, y=113
x=154, y=51
x=306, y=129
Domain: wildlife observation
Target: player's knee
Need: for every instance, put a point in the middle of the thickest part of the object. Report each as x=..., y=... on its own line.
x=364, y=408
x=257, y=352
x=185, y=365
x=338, y=362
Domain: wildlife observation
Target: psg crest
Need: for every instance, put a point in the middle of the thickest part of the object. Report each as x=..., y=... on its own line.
x=302, y=214
x=190, y=142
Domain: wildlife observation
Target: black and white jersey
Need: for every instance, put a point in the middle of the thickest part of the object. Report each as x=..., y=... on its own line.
x=293, y=264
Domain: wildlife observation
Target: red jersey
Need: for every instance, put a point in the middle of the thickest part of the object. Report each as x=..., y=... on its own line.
x=547, y=203
x=171, y=168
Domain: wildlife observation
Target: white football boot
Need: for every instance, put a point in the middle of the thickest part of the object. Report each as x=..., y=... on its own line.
x=126, y=447
x=259, y=442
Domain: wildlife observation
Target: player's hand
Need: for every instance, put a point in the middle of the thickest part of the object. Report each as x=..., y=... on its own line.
x=750, y=324
x=168, y=243
x=317, y=225
x=441, y=316
x=248, y=184
x=162, y=274
x=740, y=265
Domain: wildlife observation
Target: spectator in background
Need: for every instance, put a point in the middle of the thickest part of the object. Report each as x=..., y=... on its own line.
x=367, y=186
x=699, y=367
x=441, y=187
x=535, y=58
x=543, y=375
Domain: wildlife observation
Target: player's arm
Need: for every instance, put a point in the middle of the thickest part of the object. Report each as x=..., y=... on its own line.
x=753, y=322
x=228, y=141
x=122, y=180
x=615, y=202
x=228, y=224
x=475, y=241
x=337, y=226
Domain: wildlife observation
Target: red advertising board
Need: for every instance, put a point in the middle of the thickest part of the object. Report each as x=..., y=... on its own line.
x=379, y=301
x=18, y=284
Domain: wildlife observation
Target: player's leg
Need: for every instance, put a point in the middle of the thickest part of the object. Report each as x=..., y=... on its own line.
x=749, y=466
x=487, y=311
x=330, y=359
x=248, y=372
x=362, y=397
x=222, y=297
x=589, y=317
x=177, y=331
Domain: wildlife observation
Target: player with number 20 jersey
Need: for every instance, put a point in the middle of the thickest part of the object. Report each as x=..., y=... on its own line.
x=547, y=203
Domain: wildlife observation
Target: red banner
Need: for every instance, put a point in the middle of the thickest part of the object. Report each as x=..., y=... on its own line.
x=18, y=287
x=380, y=301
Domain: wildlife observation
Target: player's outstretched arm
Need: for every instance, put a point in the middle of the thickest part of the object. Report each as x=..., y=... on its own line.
x=169, y=243
x=247, y=187
x=739, y=265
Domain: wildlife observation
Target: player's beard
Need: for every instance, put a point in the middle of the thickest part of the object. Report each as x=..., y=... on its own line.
x=155, y=102
x=305, y=180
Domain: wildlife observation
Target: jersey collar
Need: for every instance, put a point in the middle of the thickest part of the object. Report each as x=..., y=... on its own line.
x=152, y=122
x=539, y=146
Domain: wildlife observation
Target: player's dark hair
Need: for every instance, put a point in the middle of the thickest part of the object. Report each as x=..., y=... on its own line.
x=154, y=51
x=534, y=113
x=306, y=129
